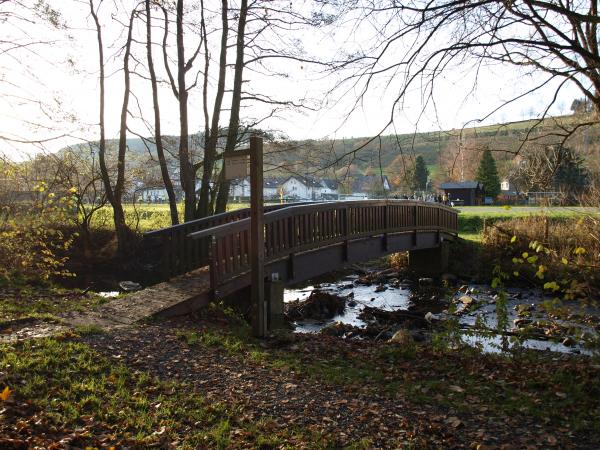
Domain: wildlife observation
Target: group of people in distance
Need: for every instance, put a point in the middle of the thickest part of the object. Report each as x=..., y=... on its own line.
x=437, y=198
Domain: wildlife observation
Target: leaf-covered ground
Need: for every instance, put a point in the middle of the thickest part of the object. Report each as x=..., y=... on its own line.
x=203, y=383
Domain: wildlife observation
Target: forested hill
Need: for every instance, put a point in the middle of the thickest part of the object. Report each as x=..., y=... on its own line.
x=392, y=153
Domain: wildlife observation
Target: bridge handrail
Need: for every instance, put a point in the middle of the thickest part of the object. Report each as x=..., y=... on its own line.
x=294, y=209
x=221, y=217
x=168, y=252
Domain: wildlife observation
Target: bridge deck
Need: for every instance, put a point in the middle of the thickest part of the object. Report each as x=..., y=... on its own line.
x=178, y=296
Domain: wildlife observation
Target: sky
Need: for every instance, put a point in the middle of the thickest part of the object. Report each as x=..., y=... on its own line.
x=50, y=89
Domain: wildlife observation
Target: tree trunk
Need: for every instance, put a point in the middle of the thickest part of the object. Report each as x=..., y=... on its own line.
x=212, y=133
x=114, y=196
x=157, y=128
x=188, y=179
x=234, y=118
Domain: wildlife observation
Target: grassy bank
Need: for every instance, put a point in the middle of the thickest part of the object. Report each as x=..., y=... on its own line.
x=471, y=218
x=65, y=391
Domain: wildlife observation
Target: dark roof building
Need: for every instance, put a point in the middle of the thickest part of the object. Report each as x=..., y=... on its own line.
x=469, y=192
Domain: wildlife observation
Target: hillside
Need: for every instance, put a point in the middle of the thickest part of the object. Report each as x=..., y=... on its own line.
x=448, y=154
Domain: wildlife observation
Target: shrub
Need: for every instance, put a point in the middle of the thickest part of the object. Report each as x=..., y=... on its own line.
x=32, y=244
x=561, y=255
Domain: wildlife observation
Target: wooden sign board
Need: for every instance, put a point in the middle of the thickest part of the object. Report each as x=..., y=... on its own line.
x=236, y=166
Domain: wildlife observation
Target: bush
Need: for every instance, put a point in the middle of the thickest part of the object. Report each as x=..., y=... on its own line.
x=561, y=255
x=32, y=244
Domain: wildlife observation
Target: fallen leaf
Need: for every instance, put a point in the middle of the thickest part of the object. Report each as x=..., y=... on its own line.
x=455, y=388
x=5, y=394
x=454, y=422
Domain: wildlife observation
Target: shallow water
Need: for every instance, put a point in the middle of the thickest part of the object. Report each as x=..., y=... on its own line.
x=533, y=299
x=484, y=311
x=391, y=299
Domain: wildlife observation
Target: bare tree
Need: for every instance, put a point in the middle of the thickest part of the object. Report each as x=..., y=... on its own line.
x=540, y=167
x=252, y=48
x=417, y=42
x=157, y=124
x=211, y=131
x=77, y=177
x=115, y=195
x=28, y=29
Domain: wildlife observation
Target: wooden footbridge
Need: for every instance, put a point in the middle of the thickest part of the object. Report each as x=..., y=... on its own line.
x=302, y=240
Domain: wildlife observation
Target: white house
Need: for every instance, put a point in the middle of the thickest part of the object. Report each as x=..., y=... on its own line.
x=154, y=194
x=240, y=188
x=329, y=189
x=295, y=187
x=271, y=188
x=367, y=185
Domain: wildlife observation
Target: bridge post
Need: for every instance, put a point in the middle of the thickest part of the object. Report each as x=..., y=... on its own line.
x=274, y=297
x=257, y=239
x=429, y=261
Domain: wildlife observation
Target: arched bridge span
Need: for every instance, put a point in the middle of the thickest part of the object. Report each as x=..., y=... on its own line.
x=306, y=240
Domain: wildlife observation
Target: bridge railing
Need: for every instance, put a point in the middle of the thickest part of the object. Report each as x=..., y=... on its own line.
x=175, y=254
x=300, y=228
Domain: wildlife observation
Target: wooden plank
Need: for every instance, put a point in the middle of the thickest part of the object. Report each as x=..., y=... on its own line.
x=236, y=251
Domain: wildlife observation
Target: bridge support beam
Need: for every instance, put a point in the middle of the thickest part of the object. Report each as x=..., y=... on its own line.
x=430, y=261
x=274, y=297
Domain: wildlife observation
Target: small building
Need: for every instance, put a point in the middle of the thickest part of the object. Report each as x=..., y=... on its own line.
x=329, y=190
x=370, y=186
x=470, y=193
x=239, y=188
x=271, y=188
x=155, y=194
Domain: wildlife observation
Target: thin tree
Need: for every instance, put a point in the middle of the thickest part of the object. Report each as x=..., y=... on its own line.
x=114, y=195
x=236, y=99
x=157, y=123
x=211, y=130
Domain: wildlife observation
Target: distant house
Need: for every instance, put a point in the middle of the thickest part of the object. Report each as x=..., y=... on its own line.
x=329, y=189
x=370, y=185
x=271, y=188
x=507, y=192
x=299, y=188
x=294, y=187
x=239, y=188
x=469, y=192
x=158, y=194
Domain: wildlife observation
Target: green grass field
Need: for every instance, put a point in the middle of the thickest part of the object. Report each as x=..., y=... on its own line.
x=522, y=211
x=146, y=217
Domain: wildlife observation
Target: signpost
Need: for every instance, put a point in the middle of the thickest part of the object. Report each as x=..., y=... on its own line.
x=236, y=167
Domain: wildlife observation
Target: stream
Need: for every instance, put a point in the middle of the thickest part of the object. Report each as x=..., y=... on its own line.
x=471, y=306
